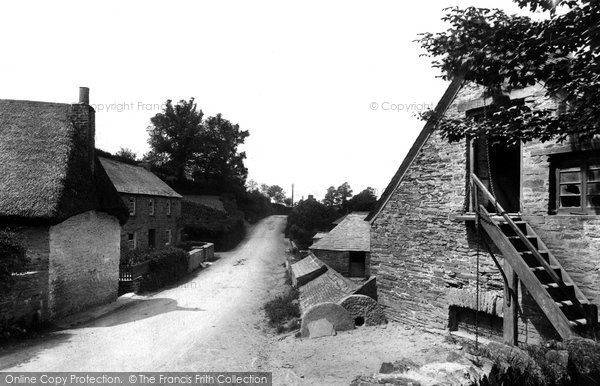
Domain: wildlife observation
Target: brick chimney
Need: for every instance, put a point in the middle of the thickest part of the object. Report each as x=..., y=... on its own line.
x=84, y=119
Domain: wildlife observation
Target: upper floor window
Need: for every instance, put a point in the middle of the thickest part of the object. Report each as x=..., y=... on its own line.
x=132, y=206
x=168, y=207
x=151, y=207
x=578, y=185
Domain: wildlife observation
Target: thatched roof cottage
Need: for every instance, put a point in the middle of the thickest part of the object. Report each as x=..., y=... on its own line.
x=56, y=195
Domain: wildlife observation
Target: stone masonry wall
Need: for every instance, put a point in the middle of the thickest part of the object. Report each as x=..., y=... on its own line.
x=424, y=262
x=142, y=221
x=84, y=262
x=338, y=260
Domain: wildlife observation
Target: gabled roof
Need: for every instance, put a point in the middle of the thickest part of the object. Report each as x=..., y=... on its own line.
x=429, y=127
x=351, y=234
x=45, y=173
x=132, y=179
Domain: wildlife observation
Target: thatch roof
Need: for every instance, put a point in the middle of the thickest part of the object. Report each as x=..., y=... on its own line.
x=132, y=179
x=45, y=174
x=351, y=234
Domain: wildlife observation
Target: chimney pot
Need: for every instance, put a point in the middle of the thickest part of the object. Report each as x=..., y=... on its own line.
x=84, y=95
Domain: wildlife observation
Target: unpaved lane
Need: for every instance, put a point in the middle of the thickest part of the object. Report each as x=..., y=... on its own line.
x=212, y=321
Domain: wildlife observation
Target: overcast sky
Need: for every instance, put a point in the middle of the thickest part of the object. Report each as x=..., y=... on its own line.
x=314, y=82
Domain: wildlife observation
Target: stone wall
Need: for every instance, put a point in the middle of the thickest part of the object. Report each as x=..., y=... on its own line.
x=338, y=260
x=425, y=263
x=84, y=262
x=142, y=221
x=27, y=302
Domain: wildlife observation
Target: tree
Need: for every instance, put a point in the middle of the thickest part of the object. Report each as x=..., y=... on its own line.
x=176, y=136
x=276, y=193
x=502, y=52
x=218, y=161
x=306, y=218
x=364, y=201
x=127, y=154
x=344, y=192
x=184, y=144
x=331, y=198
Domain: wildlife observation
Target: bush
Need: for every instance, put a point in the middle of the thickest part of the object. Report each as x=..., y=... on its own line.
x=13, y=259
x=133, y=257
x=544, y=365
x=167, y=266
x=283, y=308
x=202, y=223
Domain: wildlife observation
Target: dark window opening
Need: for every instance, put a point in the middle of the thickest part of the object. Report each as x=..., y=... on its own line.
x=464, y=319
x=357, y=264
x=499, y=168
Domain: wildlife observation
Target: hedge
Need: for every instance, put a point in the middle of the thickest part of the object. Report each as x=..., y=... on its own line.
x=167, y=266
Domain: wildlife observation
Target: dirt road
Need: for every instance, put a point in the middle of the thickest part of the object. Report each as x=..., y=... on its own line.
x=212, y=321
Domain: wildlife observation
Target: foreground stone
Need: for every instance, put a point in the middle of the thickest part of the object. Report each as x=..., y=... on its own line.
x=333, y=313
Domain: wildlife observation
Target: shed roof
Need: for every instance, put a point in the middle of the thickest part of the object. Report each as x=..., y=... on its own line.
x=45, y=173
x=132, y=179
x=351, y=234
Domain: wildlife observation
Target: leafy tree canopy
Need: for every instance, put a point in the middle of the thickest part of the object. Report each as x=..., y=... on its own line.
x=185, y=144
x=502, y=52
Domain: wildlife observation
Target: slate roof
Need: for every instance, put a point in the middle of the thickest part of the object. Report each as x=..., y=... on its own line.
x=322, y=284
x=45, y=173
x=132, y=179
x=430, y=125
x=351, y=234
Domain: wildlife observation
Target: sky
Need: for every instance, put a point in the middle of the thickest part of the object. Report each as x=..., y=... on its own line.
x=329, y=90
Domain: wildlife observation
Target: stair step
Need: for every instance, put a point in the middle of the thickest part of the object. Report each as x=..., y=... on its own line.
x=530, y=259
x=578, y=322
x=543, y=275
x=560, y=294
x=508, y=230
x=520, y=245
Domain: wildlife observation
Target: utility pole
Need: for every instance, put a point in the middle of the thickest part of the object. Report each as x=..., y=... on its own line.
x=292, y=195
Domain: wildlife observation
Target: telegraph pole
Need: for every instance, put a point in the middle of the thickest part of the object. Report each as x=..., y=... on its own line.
x=292, y=195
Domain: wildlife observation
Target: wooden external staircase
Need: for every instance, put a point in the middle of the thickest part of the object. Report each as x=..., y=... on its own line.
x=526, y=255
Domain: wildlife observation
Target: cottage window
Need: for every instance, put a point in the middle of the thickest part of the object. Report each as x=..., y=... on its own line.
x=168, y=207
x=151, y=206
x=131, y=240
x=132, y=206
x=577, y=185
x=168, y=237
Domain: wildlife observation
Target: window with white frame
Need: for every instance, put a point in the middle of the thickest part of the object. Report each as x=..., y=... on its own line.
x=168, y=207
x=132, y=206
x=131, y=240
x=168, y=236
x=151, y=207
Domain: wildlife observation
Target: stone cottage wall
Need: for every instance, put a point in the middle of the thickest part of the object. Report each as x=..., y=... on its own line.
x=425, y=262
x=573, y=239
x=28, y=300
x=142, y=221
x=84, y=262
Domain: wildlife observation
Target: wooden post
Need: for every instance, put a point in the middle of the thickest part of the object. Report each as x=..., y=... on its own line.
x=510, y=320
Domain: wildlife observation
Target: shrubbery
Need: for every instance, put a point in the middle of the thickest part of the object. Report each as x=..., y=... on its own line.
x=573, y=362
x=283, y=308
x=13, y=259
x=202, y=223
x=167, y=266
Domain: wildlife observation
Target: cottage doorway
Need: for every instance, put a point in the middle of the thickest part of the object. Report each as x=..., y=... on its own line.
x=498, y=166
x=357, y=264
